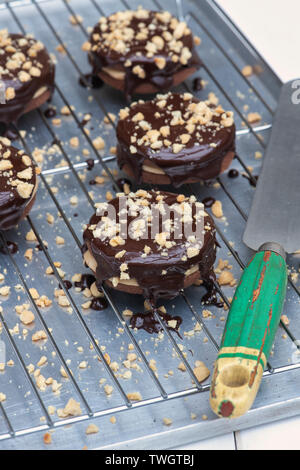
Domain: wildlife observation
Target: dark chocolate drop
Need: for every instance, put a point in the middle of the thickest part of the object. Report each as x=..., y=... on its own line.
x=90, y=163
x=67, y=284
x=11, y=246
x=50, y=113
x=208, y=202
x=197, y=84
x=99, y=303
x=233, y=173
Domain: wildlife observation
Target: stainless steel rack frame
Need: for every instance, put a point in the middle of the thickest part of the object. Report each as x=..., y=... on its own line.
x=75, y=335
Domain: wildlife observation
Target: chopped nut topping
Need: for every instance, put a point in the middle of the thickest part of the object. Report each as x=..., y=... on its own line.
x=217, y=209
x=190, y=121
x=10, y=93
x=254, y=117
x=99, y=143
x=25, y=190
x=75, y=19
x=247, y=71
x=226, y=278
x=134, y=396
x=72, y=408
x=160, y=62
x=92, y=429
x=74, y=142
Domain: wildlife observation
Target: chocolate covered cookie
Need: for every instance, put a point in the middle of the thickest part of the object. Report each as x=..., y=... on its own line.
x=175, y=139
x=26, y=75
x=142, y=51
x=150, y=242
x=18, y=184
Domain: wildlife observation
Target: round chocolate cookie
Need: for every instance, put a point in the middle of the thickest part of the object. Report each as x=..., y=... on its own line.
x=150, y=242
x=18, y=184
x=142, y=51
x=26, y=75
x=175, y=139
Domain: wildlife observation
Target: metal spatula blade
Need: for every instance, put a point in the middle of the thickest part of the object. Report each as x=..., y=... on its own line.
x=275, y=211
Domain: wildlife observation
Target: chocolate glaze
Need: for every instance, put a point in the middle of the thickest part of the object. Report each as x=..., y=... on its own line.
x=136, y=53
x=198, y=159
x=24, y=91
x=12, y=205
x=158, y=276
x=210, y=298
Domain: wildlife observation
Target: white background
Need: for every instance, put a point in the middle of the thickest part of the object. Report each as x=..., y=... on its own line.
x=273, y=27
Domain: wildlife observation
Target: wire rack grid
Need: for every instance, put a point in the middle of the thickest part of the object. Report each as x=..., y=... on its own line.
x=79, y=339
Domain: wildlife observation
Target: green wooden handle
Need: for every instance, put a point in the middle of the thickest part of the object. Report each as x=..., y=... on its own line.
x=249, y=334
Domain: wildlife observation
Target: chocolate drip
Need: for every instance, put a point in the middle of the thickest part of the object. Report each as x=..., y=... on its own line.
x=85, y=282
x=210, y=298
x=148, y=322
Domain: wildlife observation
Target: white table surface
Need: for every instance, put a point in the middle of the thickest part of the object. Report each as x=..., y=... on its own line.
x=272, y=26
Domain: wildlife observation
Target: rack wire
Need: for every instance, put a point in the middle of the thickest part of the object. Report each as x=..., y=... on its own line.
x=97, y=405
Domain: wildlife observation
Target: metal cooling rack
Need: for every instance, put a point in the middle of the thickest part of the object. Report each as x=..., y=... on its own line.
x=75, y=335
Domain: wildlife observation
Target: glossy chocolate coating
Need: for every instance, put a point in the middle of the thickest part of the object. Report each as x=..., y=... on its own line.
x=137, y=54
x=201, y=158
x=159, y=276
x=23, y=46
x=12, y=204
